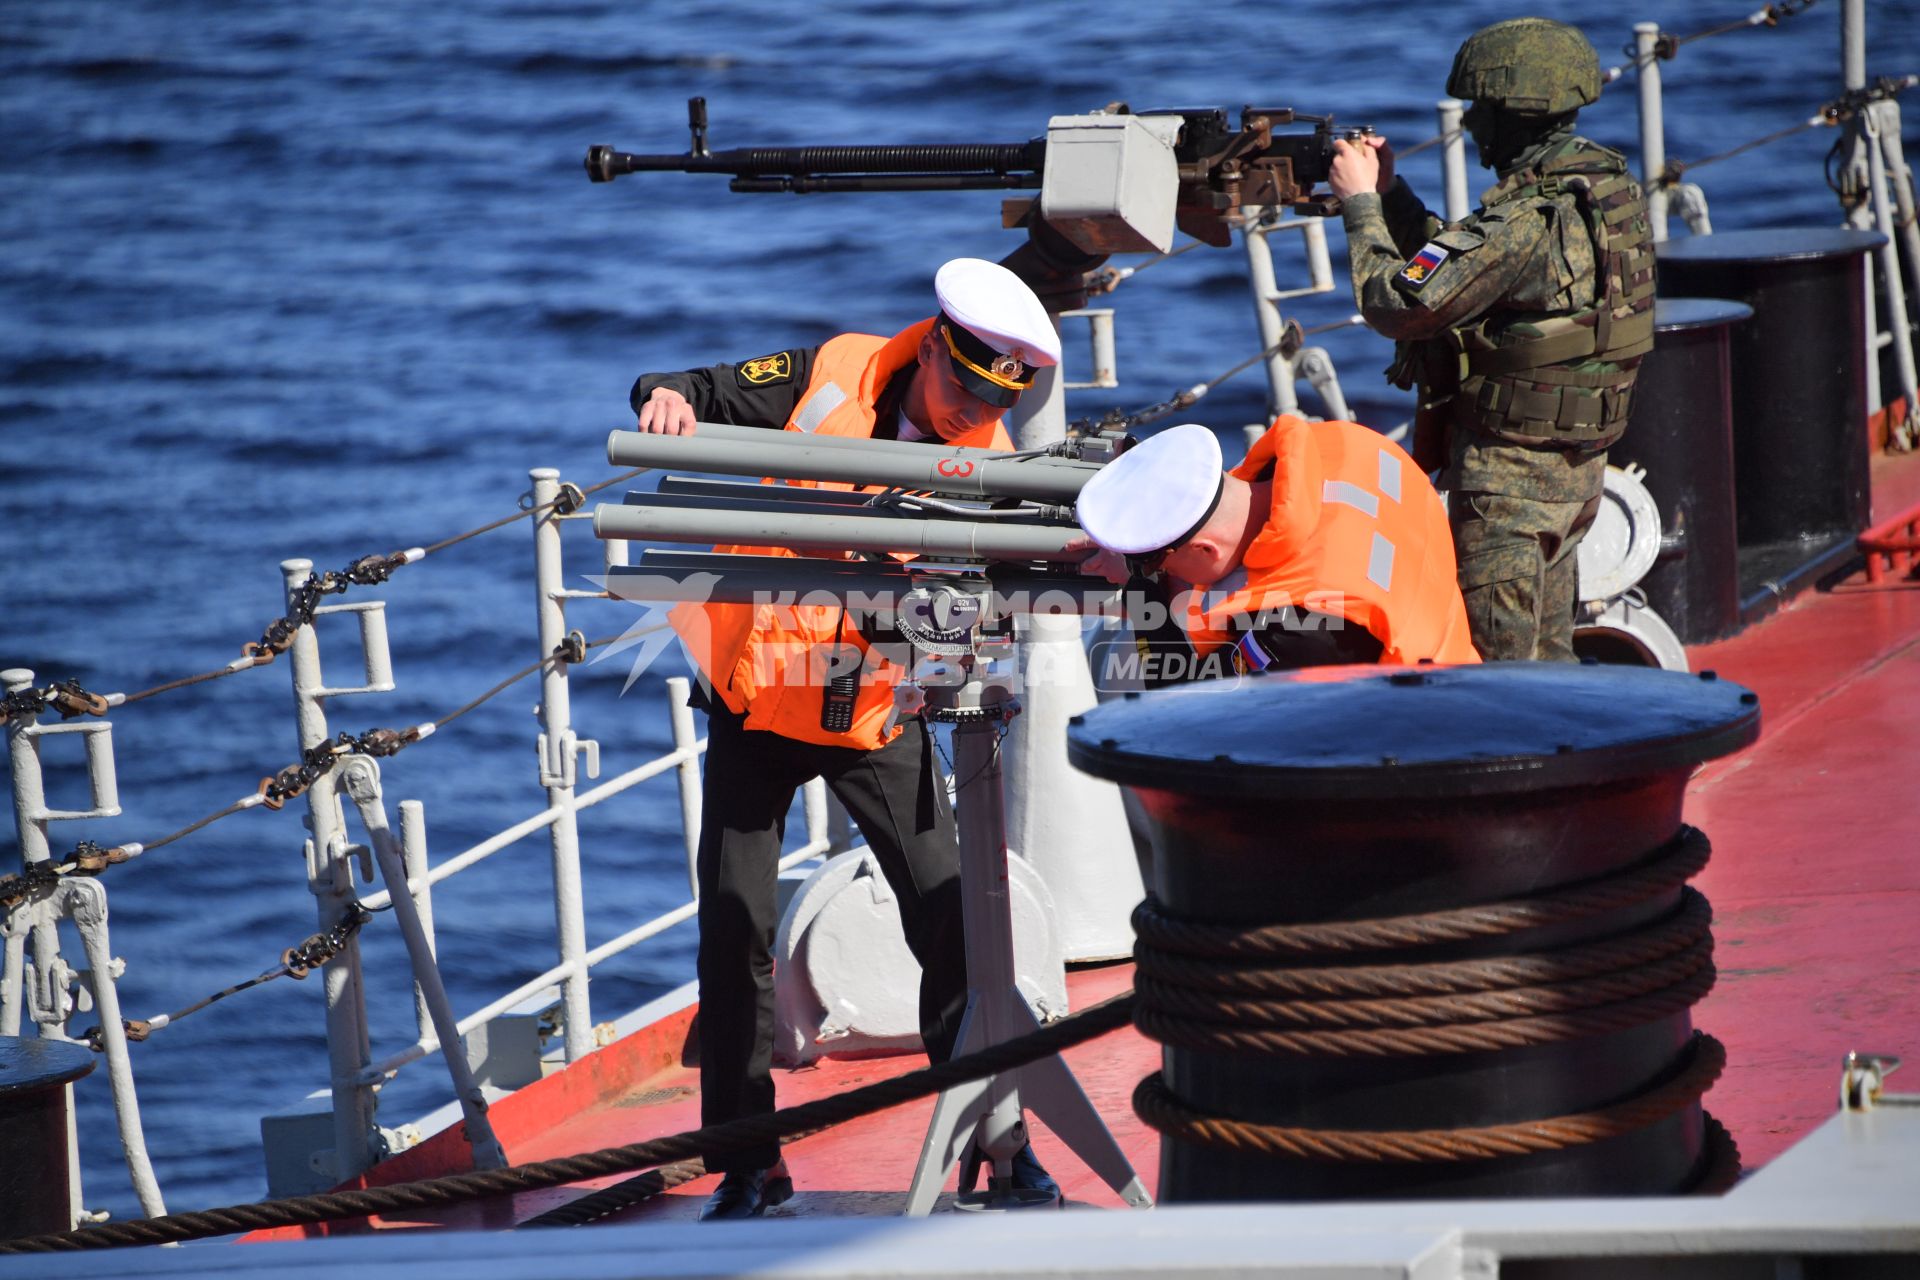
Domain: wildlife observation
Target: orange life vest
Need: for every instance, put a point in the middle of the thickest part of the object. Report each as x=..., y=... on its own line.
x=768, y=661
x=1356, y=531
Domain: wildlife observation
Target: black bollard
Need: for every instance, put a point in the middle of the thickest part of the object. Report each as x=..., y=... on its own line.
x=1681, y=432
x=1405, y=921
x=1799, y=385
x=35, y=1191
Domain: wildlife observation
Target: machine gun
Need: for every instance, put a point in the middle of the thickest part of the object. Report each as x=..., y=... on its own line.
x=992, y=529
x=1113, y=181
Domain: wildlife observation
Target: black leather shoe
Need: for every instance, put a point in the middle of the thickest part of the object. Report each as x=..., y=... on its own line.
x=748, y=1195
x=1030, y=1175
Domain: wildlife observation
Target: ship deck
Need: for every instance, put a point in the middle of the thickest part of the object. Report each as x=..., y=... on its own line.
x=1815, y=884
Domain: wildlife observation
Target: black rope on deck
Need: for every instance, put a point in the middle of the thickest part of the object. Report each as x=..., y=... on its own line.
x=737, y=1135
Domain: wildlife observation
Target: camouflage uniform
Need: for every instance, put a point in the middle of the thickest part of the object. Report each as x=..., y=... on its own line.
x=1522, y=326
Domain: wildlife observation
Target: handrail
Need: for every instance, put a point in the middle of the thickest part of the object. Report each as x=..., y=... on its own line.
x=429, y=1043
x=527, y=826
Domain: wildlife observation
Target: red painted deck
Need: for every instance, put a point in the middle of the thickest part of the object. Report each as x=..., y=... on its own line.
x=1815, y=884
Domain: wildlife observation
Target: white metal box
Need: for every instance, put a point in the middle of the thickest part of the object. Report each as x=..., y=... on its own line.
x=1111, y=181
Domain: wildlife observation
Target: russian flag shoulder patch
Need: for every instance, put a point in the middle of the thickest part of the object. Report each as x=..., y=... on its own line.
x=1422, y=265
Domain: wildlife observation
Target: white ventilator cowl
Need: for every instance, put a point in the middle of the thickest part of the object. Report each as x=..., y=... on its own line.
x=997, y=307
x=1155, y=493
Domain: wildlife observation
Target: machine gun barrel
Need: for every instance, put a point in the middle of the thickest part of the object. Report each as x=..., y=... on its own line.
x=908, y=167
x=671, y=518
x=792, y=455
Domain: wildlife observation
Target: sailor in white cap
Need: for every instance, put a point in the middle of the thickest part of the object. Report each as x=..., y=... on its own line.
x=1326, y=545
x=948, y=378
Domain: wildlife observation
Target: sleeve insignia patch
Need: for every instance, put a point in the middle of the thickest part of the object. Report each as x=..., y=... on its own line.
x=763, y=370
x=1423, y=264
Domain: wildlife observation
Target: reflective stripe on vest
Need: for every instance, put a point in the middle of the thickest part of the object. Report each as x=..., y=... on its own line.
x=763, y=661
x=820, y=402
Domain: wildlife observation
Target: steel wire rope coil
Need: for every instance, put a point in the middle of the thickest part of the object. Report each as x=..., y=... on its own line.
x=1666, y=870
x=1163, y=1111
x=1675, y=933
x=1627, y=983
x=1420, y=1041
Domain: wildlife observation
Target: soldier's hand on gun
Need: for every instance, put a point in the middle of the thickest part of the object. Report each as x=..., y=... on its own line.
x=1363, y=166
x=1101, y=563
x=666, y=413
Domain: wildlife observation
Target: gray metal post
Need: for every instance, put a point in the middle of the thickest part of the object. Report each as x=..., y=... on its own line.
x=1890, y=279
x=1900, y=178
x=356, y=1139
x=990, y=1114
x=558, y=756
x=23, y=753
x=1071, y=827
x=685, y=735
x=1853, y=75
x=360, y=777
x=23, y=760
x=1653, y=127
x=413, y=849
x=1281, y=396
x=1453, y=157
x=85, y=903
x=13, y=971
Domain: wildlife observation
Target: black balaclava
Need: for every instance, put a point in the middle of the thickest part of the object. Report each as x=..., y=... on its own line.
x=1502, y=137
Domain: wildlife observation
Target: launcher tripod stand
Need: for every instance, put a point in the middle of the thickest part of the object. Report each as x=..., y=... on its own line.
x=986, y=1119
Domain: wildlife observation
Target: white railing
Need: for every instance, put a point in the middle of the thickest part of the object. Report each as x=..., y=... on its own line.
x=57, y=992
x=355, y=1075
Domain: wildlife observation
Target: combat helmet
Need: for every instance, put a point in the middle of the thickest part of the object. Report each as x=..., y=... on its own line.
x=1529, y=66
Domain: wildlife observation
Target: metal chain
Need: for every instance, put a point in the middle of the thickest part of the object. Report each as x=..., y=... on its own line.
x=295, y=962
x=65, y=696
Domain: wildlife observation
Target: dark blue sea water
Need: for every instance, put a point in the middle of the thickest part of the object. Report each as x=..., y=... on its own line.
x=293, y=280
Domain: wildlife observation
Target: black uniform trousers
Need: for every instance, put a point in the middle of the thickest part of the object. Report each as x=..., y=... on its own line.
x=898, y=799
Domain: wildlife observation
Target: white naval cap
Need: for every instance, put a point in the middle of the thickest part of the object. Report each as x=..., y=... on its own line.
x=1154, y=495
x=997, y=307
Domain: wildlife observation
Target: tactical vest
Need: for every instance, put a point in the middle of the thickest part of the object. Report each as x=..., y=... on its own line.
x=1354, y=531
x=767, y=662
x=1566, y=379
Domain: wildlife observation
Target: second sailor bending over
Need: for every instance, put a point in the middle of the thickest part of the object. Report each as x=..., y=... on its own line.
x=1325, y=545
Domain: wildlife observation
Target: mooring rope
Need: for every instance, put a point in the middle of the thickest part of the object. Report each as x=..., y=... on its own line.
x=736, y=1135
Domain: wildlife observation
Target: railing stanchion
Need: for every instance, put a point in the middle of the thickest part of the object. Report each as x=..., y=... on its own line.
x=1281, y=396
x=1453, y=158
x=1653, y=126
x=686, y=739
x=330, y=879
x=558, y=752
x=413, y=853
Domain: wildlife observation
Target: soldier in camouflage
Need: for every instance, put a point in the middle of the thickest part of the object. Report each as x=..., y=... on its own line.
x=1522, y=325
